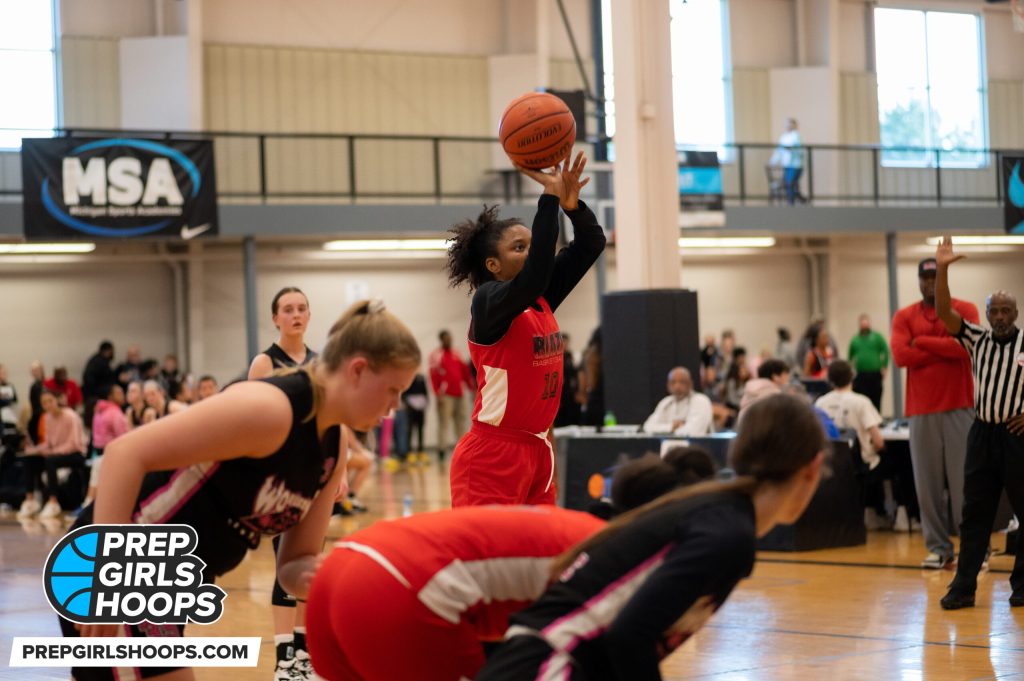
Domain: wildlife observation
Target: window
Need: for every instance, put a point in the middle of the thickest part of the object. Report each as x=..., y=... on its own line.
x=700, y=72
x=931, y=87
x=26, y=71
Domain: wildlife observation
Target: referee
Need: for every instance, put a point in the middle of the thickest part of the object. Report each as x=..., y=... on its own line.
x=995, y=444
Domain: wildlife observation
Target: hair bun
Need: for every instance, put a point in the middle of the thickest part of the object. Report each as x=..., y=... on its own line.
x=375, y=305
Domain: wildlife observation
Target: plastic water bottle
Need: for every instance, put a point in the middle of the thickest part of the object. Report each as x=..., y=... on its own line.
x=407, y=505
x=609, y=419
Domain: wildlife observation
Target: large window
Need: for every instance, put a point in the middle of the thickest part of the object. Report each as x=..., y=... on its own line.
x=931, y=87
x=27, y=90
x=700, y=71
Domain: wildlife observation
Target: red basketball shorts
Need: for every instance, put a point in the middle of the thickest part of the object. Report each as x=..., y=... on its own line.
x=501, y=466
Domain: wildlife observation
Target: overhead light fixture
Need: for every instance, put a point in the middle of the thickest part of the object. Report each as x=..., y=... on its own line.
x=727, y=242
x=1001, y=240
x=47, y=249
x=374, y=245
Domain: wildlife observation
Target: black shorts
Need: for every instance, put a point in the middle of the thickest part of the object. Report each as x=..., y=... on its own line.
x=143, y=630
x=529, y=658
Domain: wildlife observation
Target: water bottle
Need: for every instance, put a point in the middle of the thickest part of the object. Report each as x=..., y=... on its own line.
x=609, y=419
x=407, y=505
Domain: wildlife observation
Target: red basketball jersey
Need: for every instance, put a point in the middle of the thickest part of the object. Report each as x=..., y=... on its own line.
x=478, y=563
x=519, y=378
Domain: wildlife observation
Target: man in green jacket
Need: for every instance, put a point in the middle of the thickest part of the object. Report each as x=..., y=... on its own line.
x=869, y=355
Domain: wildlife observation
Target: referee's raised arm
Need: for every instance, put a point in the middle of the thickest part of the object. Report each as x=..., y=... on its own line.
x=944, y=257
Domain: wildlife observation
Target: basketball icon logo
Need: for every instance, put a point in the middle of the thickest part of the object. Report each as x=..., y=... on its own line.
x=70, y=572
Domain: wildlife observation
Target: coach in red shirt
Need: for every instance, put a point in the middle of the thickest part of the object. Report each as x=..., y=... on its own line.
x=448, y=374
x=940, y=406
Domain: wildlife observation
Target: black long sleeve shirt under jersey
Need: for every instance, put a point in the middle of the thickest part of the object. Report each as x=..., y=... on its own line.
x=633, y=599
x=497, y=303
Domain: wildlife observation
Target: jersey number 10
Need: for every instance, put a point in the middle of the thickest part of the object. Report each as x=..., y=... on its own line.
x=550, y=385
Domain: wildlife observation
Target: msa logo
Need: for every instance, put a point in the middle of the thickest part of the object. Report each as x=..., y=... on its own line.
x=140, y=191
x=120, y=183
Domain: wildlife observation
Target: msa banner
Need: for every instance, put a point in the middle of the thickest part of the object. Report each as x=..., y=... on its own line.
x=116, y=188
x=1013, y=171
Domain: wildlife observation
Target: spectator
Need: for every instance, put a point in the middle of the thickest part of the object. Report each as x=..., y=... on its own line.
x=98, y=374
x=790, y=157
x=940, y=401
x=149, y=370
x=785, y=350
x=128, y=370
x=170, y=375
x=726, y=350
x=869, y=355
x=64, y=446
x=772, y=376
x=848, y=409
x=448, y=374
x=684, y=411
x=995, y=444
x=135, y=407
x=709, y=359
x=63, y=387
x=34, y=394
x=108, y=424
x=736, y=380
x=157, y=404
x=569, y=410
x=207, y=387
x=819, y=356
x=416, y=400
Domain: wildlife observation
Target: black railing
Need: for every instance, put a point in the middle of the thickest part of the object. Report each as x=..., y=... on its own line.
x=269, y=167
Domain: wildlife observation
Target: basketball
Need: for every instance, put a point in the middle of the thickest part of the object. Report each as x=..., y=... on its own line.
x=537, y=130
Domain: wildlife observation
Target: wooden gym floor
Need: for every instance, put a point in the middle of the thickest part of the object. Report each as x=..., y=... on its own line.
x=843, y=614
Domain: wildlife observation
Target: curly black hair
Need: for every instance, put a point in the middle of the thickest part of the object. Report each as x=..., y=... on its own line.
x=473, y=242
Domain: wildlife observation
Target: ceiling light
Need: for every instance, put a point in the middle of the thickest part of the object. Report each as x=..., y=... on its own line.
x=1002, y=240
x=368, y=245
x=37, y=249
x=727, y=242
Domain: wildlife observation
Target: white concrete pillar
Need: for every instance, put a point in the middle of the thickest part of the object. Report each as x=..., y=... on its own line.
x=646, y=171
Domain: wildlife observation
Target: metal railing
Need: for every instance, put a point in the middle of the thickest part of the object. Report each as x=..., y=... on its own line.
x=357, y=167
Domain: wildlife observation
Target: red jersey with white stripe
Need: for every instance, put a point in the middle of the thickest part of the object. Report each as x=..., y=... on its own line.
x=520, y=376
x=480, y=563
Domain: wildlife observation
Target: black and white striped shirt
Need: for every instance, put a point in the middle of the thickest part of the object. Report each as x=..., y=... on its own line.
x=998, y=372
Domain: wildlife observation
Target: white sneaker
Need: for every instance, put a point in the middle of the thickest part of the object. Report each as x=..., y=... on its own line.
x=51, y=510
x=286, y=671
x=934, y=561
x=902, y=523
x=303, y=666
x=29, y=508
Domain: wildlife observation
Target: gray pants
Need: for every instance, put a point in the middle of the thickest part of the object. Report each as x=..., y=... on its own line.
x=938, y=449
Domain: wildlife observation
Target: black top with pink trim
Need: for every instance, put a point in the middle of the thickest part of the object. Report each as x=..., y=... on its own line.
x=232, y=503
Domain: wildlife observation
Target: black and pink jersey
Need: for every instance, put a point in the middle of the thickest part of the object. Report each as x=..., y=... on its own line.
x=232, y=503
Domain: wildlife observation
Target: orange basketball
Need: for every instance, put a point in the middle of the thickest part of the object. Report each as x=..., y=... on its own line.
x=537, y=130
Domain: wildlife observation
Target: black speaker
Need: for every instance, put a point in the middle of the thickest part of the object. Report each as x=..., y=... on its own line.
x=576, y=100
x=644, y=334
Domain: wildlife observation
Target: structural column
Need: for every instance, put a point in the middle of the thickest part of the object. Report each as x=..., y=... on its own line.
x=645, y=184
x=251, y=317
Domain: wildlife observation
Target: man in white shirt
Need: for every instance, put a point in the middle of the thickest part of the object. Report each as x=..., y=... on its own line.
x=683, y=412
x=855, y=411
x=789, y=155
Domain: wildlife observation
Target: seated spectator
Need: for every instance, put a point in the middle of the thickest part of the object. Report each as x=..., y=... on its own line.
x=684, y=411
x=855, y=411
x=207, y=387
x=63, y=387
x=360, y=465
x=772, y=376
x=819, y=356
x=8, y=403
x=128, y=370
x=64, y=446
x=736, y=380
x=135, y=405
x=157, y=404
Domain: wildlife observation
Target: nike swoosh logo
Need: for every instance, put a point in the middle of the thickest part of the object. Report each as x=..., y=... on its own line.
x=192, y=232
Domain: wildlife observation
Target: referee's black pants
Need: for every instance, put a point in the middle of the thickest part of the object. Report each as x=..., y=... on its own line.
x=995, y=461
